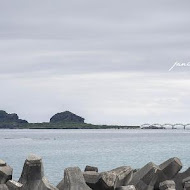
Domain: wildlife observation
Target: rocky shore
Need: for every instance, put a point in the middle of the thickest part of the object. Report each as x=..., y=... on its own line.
x=166, y=176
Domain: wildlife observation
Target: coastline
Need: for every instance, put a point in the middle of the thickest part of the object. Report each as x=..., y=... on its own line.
x=62, y=126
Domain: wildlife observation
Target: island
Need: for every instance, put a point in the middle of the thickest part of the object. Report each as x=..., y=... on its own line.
x=62, y=120
x=10, y=120
x=66, y=116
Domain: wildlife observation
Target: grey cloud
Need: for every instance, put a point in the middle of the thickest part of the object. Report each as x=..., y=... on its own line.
x=54, y=57
x=66, y=54
x=112, y=98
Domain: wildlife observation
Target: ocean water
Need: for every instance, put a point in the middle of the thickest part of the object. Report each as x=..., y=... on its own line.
x=105, y=149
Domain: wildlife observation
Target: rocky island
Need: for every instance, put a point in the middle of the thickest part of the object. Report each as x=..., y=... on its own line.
x=166, y=176
x=10, y=120
x=62, y=120
x=66, y=116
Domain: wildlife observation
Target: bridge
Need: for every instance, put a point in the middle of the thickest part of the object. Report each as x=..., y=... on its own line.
x=166, y=125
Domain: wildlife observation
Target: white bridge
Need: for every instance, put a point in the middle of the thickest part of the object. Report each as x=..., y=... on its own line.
x=167, y=125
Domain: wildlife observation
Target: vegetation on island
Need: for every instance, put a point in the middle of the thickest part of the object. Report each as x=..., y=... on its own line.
x=63, y=120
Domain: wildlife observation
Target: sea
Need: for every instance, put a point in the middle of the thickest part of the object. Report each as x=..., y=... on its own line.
x=103, y=148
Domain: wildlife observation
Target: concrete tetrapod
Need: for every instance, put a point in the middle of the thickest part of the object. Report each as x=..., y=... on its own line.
x=169, y=169
x=14, y=185
x=92, y=178
x=3, y=187
x=128, y=187
x=146, y=177
x=179, y=178
x=168, y=184
x=91, y=168
x=187, y=186
x=5, y=172
x=186, y=183
x=32, y=176
x=117, y=177
x=73, y=180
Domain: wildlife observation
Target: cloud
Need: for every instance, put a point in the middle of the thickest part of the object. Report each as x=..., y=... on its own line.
x=101, y=98
x=106, y=60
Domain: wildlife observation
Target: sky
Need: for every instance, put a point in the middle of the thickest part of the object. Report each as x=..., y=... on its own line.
x=107, y=61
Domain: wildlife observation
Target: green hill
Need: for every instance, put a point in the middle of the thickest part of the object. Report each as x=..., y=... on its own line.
x=63, y=120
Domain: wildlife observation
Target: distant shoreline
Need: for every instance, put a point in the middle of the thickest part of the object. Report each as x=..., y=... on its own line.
x=62, y=125
x=62, y=120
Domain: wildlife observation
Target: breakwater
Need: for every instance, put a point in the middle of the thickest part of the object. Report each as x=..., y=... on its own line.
x=166, y=176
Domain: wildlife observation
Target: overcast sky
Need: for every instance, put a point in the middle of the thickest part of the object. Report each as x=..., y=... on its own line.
x=105, y=60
